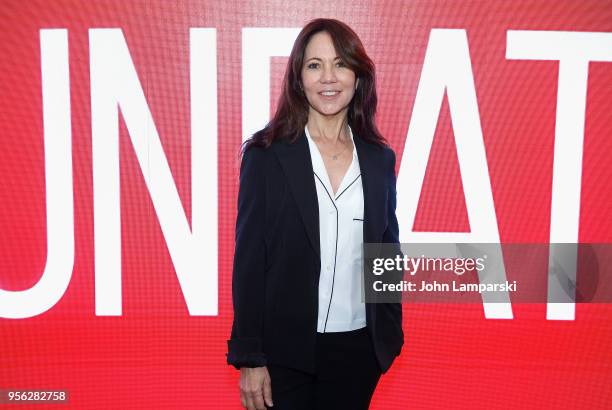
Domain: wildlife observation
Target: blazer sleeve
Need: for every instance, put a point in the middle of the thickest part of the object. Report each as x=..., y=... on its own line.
x=245, y=347
x=391, y=234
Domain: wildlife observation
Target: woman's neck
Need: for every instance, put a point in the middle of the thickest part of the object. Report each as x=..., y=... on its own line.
x=329, y=129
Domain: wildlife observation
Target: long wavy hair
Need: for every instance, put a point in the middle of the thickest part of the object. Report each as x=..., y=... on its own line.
x=292, y=110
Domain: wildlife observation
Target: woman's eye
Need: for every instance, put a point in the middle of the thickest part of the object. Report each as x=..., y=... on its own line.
x=312, y=65
x=341, y=64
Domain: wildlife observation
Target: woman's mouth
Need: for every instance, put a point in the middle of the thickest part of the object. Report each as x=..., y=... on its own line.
x=329, y=94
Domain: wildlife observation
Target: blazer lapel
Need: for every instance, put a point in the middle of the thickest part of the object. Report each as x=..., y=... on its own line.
x=297, y=165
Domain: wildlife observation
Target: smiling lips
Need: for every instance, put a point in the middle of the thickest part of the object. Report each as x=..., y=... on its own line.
x=329, y=93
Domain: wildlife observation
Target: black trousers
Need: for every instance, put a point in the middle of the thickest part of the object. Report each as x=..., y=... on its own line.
x=346, y=375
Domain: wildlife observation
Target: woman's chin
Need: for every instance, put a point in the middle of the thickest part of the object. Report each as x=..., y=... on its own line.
x=330, y=111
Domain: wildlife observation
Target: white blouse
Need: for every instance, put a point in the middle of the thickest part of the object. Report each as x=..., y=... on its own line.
x=341, y=306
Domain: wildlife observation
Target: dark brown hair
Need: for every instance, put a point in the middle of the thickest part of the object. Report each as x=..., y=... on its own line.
x=292, y=111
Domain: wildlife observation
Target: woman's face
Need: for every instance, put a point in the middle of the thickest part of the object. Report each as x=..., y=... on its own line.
x=329, y=85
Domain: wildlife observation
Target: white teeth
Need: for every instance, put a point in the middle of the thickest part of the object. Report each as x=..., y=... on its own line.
x=329, y=93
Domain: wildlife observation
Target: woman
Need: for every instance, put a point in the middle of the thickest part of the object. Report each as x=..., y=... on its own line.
x=315, y=184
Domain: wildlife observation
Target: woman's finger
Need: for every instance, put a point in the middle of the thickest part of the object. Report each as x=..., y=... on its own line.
x=249, y=403
x=258, y=400
x=243, y=399
x=267, y=391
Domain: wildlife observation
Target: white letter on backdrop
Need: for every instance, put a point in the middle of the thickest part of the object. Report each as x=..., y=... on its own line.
x=574, y=51
x=447, y=66
x=115, y=85
x=50, y=288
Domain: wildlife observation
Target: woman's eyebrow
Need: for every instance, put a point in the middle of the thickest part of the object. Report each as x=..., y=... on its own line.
x=320, y=59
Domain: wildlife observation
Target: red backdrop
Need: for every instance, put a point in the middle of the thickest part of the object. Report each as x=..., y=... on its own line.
x=157, y=355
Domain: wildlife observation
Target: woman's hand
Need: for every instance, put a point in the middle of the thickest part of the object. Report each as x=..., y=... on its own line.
x=255, y=387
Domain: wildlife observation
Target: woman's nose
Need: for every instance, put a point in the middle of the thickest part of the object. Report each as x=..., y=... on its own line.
x=328, y=74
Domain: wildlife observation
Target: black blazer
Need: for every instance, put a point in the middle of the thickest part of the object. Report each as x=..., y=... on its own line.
x=277, y=255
